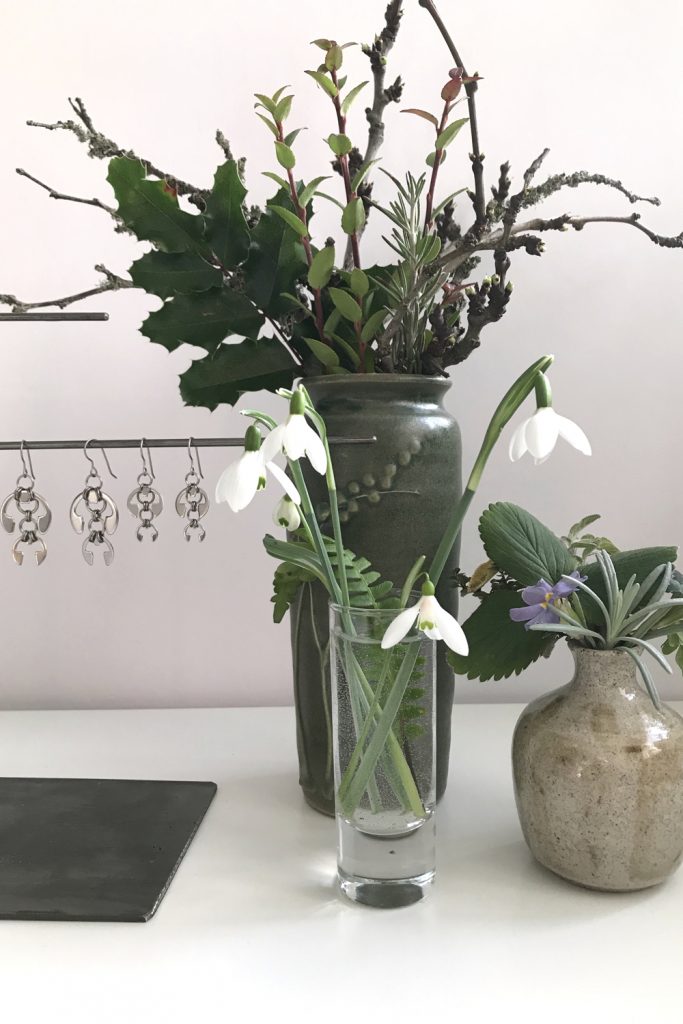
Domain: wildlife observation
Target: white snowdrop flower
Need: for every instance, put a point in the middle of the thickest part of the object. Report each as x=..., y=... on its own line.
x=296, y=438
x=432, y=619
x=238, y=484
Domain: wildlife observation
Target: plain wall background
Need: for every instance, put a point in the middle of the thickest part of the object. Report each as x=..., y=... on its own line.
x=179, y=624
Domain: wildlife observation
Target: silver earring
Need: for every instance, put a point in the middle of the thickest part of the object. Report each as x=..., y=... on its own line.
x=192, y=502
x=99, y=509
x=32, y=511
x=144, y=502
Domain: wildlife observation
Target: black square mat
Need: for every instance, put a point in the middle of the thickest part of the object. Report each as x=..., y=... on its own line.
x=93, y=849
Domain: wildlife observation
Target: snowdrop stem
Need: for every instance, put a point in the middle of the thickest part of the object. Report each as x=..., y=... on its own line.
x=506, y=409
x=331, y=482
x=314, y=530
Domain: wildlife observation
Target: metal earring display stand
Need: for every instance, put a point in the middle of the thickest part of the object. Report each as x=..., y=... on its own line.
x=96, y=849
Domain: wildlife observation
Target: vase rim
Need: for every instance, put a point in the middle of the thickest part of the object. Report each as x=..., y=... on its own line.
x=339, y=380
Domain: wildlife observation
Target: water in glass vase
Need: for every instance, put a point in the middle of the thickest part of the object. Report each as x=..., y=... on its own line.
x=384, y=714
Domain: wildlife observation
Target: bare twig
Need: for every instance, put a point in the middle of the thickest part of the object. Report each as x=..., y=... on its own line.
x=54, y=194
x=565, y=221
x=382, y=97
x=476, y=156
x=111, y=283
x=102, y=148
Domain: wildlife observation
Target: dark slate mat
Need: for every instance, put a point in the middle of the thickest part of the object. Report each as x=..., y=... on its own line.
x=93, y=849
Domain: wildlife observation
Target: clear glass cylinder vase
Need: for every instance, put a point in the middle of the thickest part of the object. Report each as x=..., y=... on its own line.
x=384, y=758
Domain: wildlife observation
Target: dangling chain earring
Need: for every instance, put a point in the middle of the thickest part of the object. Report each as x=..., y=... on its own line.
x=101, y=510
x=33, y=511
x=144, y=502
x=192, y=503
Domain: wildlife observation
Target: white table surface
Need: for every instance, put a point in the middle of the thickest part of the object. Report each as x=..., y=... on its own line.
x=252, y=928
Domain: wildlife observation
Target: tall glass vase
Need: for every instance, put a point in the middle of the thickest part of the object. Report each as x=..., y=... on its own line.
x=383, y=714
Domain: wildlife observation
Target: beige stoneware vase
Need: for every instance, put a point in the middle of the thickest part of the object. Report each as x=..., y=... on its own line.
x=598, y=775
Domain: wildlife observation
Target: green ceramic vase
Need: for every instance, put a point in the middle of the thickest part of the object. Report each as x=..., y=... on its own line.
x=396, y=496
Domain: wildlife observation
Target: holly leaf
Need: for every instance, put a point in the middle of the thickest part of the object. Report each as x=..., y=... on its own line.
x=275, y=263
x=150, y=209
x=522, y=546
x=498, y=646
x=173, y=273
x=227, y=229
x=235, y=368
x=203, y=319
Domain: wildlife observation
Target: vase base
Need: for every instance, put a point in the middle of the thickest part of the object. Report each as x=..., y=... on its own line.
x=386, y=893
x=319, y=803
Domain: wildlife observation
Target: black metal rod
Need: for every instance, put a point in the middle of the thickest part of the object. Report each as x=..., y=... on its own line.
x=151, y=442
x=43, y=317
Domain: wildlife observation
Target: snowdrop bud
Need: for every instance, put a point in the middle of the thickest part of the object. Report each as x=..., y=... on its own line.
x=287, y=514
x=297, y=405
x=252, y=439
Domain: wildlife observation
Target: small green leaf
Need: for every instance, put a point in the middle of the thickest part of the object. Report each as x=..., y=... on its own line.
x=278, y=93
x=283, y=108
x=431, y=159
x=291, y=136
x=331, y=199
x=346, y=304
x=324, y=44
x=360, y=284
x=422, y=113
x=334, y=58
x=372, y=325
x=522, y=546
x=498, y=646
x=321, y=267
x=268, y=123
x=285, y=156
x=350, y=97
x=679, y=658
x=322, y=352
x=345, y=347
x=173, y=273
x=277, y=179
x=325, y=82
x=582, y=525
x=671, y=644
x=353, y=217
x=362, y=173
x=339, y=144
x=308, y=193
x=265, y=101
x=449, y=133
x=291, y=219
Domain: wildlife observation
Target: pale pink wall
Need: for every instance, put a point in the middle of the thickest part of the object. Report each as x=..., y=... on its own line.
x=177, y=624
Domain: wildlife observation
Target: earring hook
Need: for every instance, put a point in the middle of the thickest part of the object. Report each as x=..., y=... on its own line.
x=90, y=458
x=190, y=444
x=24, y=450
x=150, y=472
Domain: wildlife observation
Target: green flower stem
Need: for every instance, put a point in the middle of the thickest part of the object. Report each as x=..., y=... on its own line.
x=506, y=409
x=381, y=736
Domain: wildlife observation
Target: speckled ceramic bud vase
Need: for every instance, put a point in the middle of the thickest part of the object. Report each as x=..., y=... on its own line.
x=395, y=498
x=598, y=774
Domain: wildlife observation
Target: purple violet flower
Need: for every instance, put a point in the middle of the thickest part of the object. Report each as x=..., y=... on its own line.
x=541, y=599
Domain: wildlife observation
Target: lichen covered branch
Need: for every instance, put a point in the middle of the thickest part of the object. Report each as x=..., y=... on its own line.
x=100, y=147
x=559, y=181
x=111, y=283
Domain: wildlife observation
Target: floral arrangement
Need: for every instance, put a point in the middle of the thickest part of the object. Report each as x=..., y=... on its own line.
x=350, y=582
x=542, y=587
x=227, y=270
